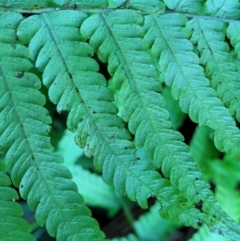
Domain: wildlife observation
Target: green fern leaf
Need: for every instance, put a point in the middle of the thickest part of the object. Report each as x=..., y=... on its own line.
x=203, y=234
x=83, y=3
x=185, y=76
x=225, y=177
x=76, y=88
x=134, y=74
x=230, y=201
x=12, y=226
x=209, y=35
x=223, y=9
x=148, y=120
x=78, y=91
x=150, y=6
x=59, y=50
x=137, y=124
x=34, y=4
x=8, y=25
x=29, y=154
x=189, y=6
x=233, y=32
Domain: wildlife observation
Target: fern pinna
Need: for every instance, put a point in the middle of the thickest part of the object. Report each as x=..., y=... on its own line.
x=123, y=122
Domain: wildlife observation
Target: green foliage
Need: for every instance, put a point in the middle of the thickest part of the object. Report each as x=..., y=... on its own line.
x=225, y=175
x=13, y=227
x=127, y=123
x=29, y=155
x=147, y=227
x=91, y=185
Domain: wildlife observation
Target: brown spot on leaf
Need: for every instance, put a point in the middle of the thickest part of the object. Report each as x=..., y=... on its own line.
x=19, y=74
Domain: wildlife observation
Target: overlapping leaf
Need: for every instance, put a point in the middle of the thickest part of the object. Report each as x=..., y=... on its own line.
x=209, y=36
x=184, y=74
x=82, y=3
x=203, y=234
x=188, y=6
x=148, y=6
x=140, y=103
x=75, y=85
x=233, y=32
x=34, y=4
x=116, y=37
x=28, y=152
x=222, y=8
x=12, y=226
x=225, y=175
x=8, y=25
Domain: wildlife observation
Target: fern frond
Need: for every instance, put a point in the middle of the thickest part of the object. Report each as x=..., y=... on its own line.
x=117, y=51
x=222, y=8
x=12, y=226
x=182, y=72
x=29, y=156
x=76, y=87
x=189, y=6
x=209, y=36
x=164, y=169
x=233, y=32
x=141, y=105
x=225, y=175
x=119, y=42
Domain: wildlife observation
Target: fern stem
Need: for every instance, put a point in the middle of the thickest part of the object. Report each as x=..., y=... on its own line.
x=47, y=10
x=227, y=20
x=128, y=214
